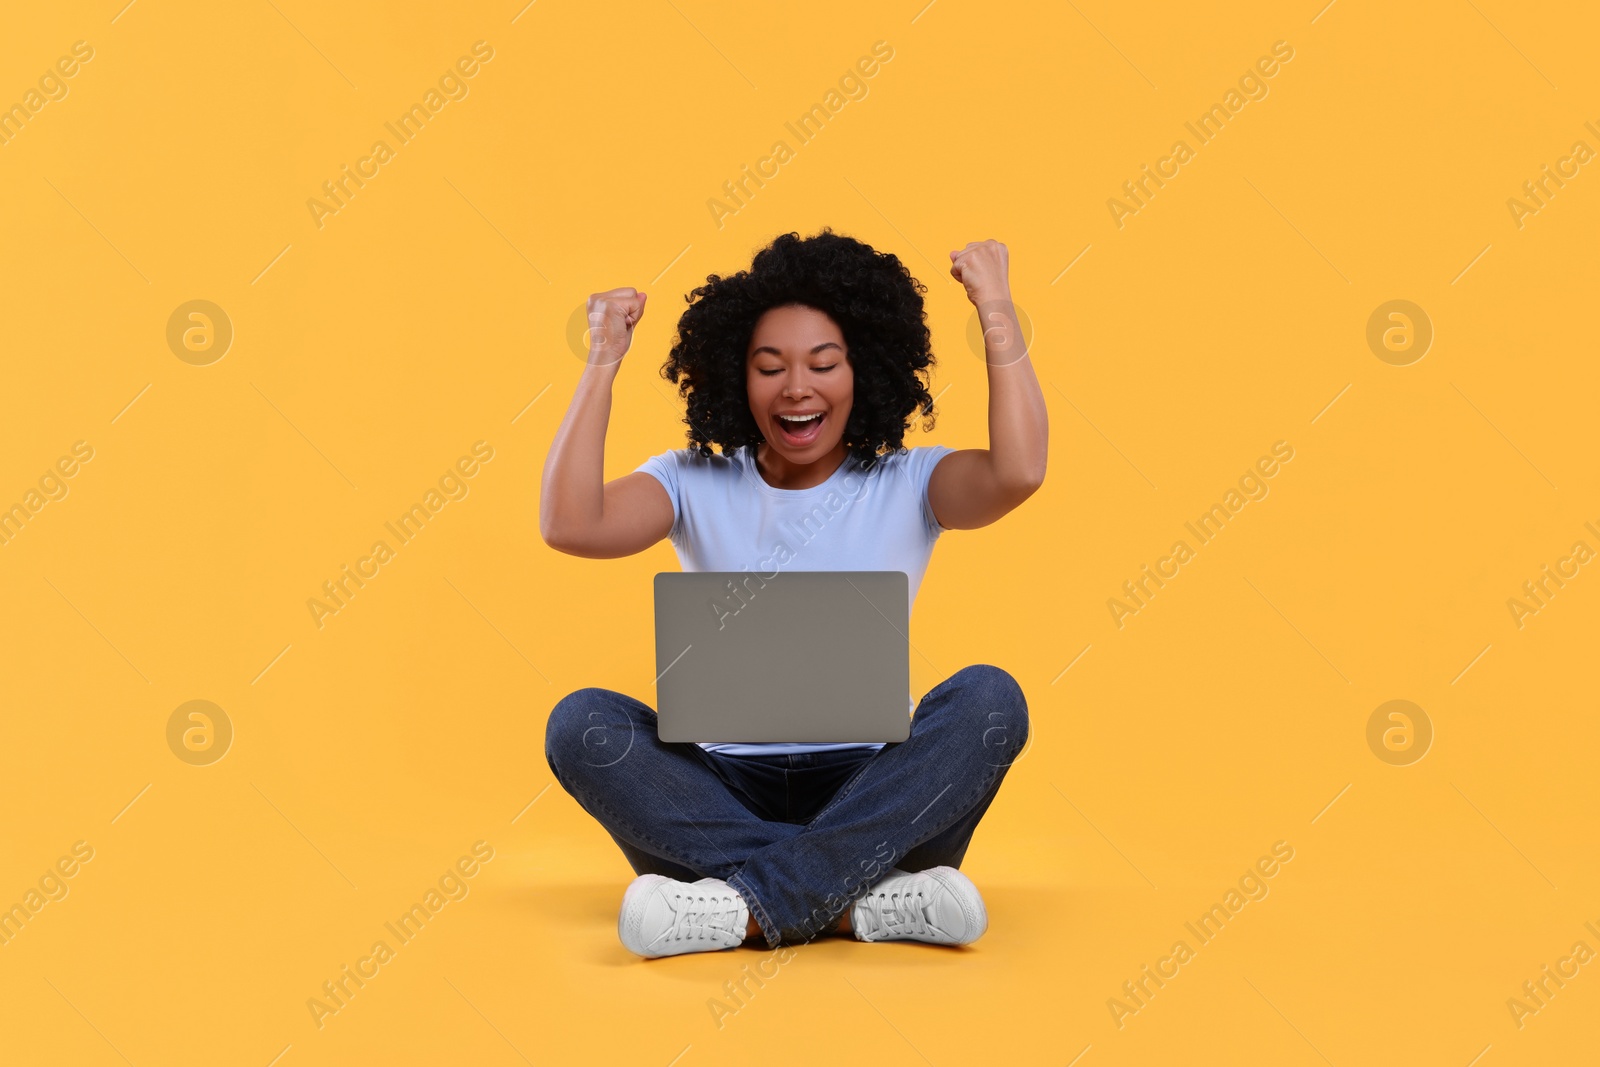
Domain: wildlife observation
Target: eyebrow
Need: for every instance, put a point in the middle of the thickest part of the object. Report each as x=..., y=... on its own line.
x=814, y=351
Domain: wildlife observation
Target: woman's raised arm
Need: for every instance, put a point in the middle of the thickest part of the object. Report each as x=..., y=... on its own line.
x=580, y=513
x=973, y=487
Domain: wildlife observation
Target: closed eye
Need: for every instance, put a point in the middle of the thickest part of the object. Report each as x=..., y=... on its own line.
x=765, y=373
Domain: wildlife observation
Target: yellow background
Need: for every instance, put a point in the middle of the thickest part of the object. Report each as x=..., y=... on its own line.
x=427, y=314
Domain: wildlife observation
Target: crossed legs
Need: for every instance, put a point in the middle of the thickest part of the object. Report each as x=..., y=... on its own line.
x=911, y=806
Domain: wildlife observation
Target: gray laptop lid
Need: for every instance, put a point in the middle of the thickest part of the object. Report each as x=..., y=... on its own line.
x=805, y=656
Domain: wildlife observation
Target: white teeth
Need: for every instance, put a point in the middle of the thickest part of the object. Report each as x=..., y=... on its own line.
x=800, y=418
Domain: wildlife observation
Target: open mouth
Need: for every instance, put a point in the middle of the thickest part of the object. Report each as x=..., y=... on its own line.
x=799, y=431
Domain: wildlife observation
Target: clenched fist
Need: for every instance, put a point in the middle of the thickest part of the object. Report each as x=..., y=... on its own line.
x=982, y=268
x=612, y=317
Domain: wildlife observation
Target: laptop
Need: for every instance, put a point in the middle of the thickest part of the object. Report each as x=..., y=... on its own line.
x=800, y=656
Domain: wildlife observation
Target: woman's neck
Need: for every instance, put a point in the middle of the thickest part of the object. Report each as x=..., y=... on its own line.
x=781, y=473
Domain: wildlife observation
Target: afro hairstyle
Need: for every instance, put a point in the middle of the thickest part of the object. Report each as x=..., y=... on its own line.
x=877, y=305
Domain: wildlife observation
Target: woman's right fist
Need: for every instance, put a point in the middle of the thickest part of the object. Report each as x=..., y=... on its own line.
x=612, y=317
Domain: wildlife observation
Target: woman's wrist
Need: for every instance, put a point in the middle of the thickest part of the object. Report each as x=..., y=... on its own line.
x=601, y=367
x=1002, y=333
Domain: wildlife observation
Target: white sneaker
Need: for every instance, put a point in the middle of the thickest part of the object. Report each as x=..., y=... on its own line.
x=662, y=917
x=939, y=905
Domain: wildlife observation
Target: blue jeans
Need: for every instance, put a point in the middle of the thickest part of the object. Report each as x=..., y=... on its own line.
x=800, y=837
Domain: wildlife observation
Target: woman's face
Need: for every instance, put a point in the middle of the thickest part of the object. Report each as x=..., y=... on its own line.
x=796, y=367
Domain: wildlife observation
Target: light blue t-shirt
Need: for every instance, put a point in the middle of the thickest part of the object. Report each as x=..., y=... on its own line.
x=725, y=517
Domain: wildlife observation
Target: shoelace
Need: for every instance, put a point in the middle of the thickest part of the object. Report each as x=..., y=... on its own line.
x=899, y=911
x=717, y=912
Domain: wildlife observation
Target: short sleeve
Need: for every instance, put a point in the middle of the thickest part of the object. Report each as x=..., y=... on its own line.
x=666, y=468
x=919, y=467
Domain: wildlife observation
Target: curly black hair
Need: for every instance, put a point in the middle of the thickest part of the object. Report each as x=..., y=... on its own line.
x=872, y=297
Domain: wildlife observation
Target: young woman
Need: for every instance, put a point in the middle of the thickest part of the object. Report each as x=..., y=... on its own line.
x=805, y=371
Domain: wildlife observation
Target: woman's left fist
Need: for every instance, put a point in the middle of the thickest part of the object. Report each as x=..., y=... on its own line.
x=981, y=268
